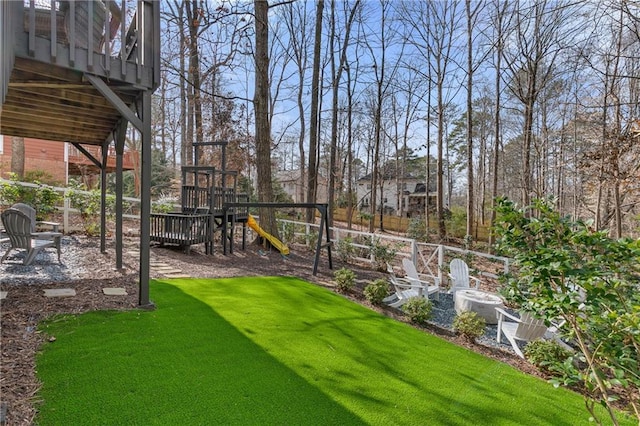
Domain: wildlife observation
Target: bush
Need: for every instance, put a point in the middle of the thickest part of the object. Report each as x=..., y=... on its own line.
x=417, y=229
x=567, y=271
x=345, y=249
x=469, y=325
x=288, y=232
x=43, y=198
x=547, y=355
x=382, y=254
x=457, y=222
x=88, y=204
x=345, y=279
x=376, y=291
x=418, y=309
x=164, y=204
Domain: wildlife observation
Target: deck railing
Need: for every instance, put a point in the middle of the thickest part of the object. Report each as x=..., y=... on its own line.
x=7, y=55
x=114, y=37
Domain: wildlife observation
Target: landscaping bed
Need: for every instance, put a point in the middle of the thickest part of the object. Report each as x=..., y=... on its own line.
x=85, y=269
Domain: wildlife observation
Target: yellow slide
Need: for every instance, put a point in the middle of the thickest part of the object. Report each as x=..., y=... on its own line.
x=273, y=240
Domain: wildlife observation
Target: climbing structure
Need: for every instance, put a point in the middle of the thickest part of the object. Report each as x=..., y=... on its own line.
x=204, y=191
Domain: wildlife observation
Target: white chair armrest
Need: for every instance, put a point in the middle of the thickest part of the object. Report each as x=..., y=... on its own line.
x=502, y=313
x=477, y=281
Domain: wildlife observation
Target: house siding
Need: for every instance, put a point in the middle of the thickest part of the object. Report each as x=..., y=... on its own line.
x=49, y=157
x=39, y=155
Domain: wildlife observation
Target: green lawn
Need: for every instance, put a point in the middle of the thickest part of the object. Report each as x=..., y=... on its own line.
x=273, y=350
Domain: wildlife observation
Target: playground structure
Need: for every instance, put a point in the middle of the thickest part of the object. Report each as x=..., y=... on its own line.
x=323, y=229
x=204, y=191
x=210, y=203
x=276, y=243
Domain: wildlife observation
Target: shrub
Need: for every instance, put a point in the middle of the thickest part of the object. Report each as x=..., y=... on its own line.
x=547, y=355
x=288, y=232
x=418, y=309
x=164, y=204
x=345, y=249
x=43, y=198
x=469, y=325
x=382, y=254
x=88, y=204
x=376, y=291
x=417, y=229
x=565, y=270
x=345, y=279
x=312, y=239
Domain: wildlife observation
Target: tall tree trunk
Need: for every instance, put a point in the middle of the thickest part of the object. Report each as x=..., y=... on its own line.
x=336, y=77
x=261, y=108
x=17, y=156
x=470, y=187
x=312, y=186
x=193, y=20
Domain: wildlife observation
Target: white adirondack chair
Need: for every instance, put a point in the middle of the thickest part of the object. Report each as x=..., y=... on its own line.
x=429, y=284
x=18, y=227
x=526, y=328
x=459, y=276
x=403, y=290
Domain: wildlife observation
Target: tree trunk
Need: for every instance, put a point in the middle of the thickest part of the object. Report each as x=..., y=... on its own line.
x=193, y=19
x=470, y=188
x=312, y=186
x=261, y=107
x=17, y=156
x=336, y=77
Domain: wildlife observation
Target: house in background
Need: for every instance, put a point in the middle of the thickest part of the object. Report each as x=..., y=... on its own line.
x=61, y=160
x=407, y=196
x=294, y=185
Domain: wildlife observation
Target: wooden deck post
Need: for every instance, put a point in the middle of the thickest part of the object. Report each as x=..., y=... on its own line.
x=119, y=138
x=144, y=110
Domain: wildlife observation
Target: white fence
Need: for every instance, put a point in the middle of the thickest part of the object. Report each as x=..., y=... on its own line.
x=431, y=259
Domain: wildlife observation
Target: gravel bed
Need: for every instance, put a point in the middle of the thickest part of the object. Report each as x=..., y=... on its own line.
x=443, y=314
x=45, y=266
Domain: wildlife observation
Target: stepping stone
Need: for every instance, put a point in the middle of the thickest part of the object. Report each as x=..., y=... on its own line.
x=59, y=292
x=3, y=294
x=169, y=270
x=114, y=291
x=176, y=275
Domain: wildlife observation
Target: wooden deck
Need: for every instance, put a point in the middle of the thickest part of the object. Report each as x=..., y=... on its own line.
x=45, y=90
x=81, y=71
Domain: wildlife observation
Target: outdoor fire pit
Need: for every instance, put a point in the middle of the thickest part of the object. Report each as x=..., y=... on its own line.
x=480, y=302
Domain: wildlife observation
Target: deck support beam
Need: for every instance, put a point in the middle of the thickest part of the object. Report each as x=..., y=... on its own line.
x=144, y=110
x=115, y=100
x=103, y=197
x=119, y=136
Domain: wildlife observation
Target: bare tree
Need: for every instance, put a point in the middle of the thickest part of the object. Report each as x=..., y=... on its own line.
x=312, y=186
x=261, y=107
x=383, y=77
x=539, y=35
x=472, y=19
x=296, y=20
x=336, y=70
